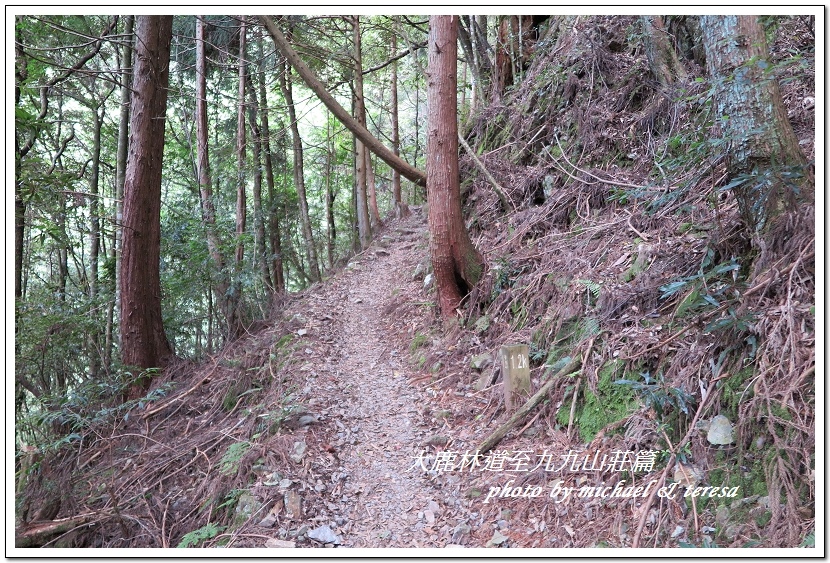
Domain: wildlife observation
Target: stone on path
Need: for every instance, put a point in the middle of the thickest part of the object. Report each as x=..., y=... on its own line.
x=324, y=534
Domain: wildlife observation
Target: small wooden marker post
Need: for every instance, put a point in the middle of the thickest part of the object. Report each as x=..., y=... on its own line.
x=515, y=371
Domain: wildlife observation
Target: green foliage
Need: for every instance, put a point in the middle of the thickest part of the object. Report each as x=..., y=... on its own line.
x=230, y=461
x=760, y=188
x=196, y=537
x=65, y=418
x=505, y=276
x=231, y=498
x=610, y=404
x=419, y=340
x=656, y=394
x=593, y=290
x=708, y=287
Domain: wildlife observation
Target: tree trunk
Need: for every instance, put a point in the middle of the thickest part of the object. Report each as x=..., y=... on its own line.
x=95, y=240
x=369, y=182
x=277, y=274
x=662, y=58
x=299, y=176
x=455, y=261
x=21, y=200
x=371, y=191
x=241, y=145
x=364, y=218
x=284, y=47
x=401, y=210
x=764, y=149
x=465, y=38
x=214, y=244
x=20, y=203
x=331, y=231
x=355, y=214
x=259, y=225
x=143, y=342
x=517, y=37
x=120, y=171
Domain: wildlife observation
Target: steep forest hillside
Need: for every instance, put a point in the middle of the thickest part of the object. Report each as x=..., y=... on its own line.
x=268, y=296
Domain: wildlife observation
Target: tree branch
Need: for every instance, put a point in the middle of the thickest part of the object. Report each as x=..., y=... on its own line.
x=371, y=142
x=505, y=201
x=44, y=90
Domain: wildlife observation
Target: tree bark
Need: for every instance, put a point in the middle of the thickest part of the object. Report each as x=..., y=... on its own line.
x=331, y=231
x=277, y=274
x=120, y=172
x=143, y=342
x=662, y=58
x=513, y=49
x=259, y=224
x=241, y=146
x=465, y=24
x=299, y=176
x=95, y=240
x=20, y=200
x=401, y=210
x=214, y=244
x=457, y=264
x=764, y=149
x=364, y=224
x=371, y=191
x=282, y=44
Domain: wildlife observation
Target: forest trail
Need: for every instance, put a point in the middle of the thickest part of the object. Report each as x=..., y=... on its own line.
x=382, y=408
x=387, y=499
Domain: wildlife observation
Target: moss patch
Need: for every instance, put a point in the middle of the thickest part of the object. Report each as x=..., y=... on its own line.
x=610, y=404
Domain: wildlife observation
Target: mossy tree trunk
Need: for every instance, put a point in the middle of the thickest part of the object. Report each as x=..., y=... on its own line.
x=771, y=173
x=662, y=58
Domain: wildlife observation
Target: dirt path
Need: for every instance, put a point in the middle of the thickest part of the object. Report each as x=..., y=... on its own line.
x=386, y=502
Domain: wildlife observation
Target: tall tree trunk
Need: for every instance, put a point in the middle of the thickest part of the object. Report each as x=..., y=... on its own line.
x=417, y=140
x=364, y=220
x=764, y=148
x=20, y=76
x=299, y=176
x=457, y=264
x=465, y=31
x=259, y=225
x=371, y=196
x=371, y=190
x=277, y=274
x=354, y=219
x=341, y=114
x=95, y=239
x=21, y=199
x=120, y=172
x=222, y=287
x=401, y=210
x=143, y=342
x=481, y=57
x=331, y=232
x=241, y=203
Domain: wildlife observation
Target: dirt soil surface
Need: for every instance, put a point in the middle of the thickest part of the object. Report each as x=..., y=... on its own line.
x=373, y=414
x=387, y=501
